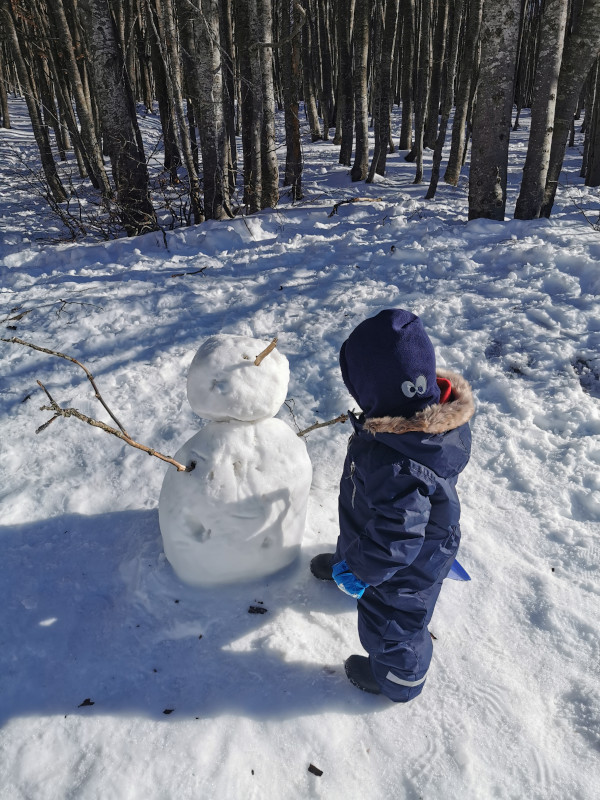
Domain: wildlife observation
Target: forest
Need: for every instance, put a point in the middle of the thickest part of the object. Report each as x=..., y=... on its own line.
x=223, y=74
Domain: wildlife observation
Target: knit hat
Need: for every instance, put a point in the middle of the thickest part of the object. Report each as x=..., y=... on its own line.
x=388, y=365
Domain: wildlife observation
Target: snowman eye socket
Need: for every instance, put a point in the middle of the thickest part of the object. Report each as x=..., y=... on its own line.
x=409, y=389
x=421, y=384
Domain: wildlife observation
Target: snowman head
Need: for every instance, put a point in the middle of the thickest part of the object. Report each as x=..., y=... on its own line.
x=224, y=384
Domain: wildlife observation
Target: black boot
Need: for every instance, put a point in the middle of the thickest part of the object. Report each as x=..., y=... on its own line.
x=358, y=670
x=321, y=566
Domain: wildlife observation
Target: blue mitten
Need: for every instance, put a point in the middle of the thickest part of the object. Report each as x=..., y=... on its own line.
x=347, y=581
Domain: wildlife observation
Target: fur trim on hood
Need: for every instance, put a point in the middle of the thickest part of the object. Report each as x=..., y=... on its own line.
x=438, y=418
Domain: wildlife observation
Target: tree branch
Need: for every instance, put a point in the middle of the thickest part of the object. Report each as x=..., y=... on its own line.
x=341, y=418
x=73, y=412
x=90, y=377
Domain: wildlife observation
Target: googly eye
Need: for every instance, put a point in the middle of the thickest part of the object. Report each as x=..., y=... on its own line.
x=421, y=384
x=409, y=389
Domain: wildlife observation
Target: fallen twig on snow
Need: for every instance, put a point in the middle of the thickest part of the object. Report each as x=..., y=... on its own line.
x=355, y=200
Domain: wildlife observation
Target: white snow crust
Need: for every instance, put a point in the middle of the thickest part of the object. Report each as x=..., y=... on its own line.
x=240, y=514
x=224, y=384
x=90, y=608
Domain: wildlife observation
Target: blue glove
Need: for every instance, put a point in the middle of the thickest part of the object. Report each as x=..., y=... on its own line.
x=347, y=581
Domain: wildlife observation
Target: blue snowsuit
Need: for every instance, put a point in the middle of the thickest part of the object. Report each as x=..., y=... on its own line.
x=399, y=529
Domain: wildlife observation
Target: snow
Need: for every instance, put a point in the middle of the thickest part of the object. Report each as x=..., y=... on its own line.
x=92, y=610
x=240, y=513
x=223, y=382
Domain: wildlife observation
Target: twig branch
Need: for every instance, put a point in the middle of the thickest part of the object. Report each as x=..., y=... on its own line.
x=261, y=356
x=341, y=418
x=295, y=31
x=90, y=377
x=355, y=200
x=73, y=412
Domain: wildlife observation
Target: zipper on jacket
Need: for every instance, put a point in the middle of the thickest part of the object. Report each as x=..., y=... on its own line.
x=352, y=469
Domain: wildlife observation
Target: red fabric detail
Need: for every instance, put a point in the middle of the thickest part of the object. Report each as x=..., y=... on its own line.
x=445, y=388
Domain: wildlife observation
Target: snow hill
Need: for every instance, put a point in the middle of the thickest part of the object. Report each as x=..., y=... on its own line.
x=117, y=681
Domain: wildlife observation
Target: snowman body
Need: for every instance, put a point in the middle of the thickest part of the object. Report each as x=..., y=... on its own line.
x=240, y=513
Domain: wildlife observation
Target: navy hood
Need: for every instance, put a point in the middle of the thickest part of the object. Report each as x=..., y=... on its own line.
x=388, y=365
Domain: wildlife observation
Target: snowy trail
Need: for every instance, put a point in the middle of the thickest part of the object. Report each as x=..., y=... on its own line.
x=91, y=609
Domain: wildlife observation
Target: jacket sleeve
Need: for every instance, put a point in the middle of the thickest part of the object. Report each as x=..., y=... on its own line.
x=398, y=499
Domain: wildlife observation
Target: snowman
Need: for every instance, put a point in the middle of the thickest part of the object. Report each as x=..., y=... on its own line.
x=239, y=514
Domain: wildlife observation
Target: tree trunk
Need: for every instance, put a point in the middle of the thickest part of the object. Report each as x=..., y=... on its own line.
x=172, y=156
x=440, y=36
x=169, y=44
x=308, y=82
x=531, y=195
x=68, y=60
x=345, y=99
x=199, y=32
x=384, y=82
x=447, y=98
x=422, y=88
x=464, y=92
x=360, y=167
x=291, y=80
x=39, y=131
x=493, y=111
x=580, y=51
x=228, y=67
x=4, y=112
x=407, y=10
x=249, y=98
x=119, y=124
x=270, y=167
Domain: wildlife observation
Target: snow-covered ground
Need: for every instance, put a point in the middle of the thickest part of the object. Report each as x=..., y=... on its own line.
x=117, y=681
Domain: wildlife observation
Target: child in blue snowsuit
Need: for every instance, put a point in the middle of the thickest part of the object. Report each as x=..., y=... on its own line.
x=398, y=507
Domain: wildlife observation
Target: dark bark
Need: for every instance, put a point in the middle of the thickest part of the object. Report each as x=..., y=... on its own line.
x=360, y=167
x=438, y=59
x=384, y=83
x=345, y=99
x=4, y=111
x=408, y=13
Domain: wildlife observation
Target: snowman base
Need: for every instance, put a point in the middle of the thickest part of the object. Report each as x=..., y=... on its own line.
x=240, y=513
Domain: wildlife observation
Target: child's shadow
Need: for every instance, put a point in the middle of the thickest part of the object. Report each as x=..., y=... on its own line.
x=91, y=613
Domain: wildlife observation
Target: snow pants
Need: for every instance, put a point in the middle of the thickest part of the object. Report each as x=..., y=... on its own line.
x=393, y=619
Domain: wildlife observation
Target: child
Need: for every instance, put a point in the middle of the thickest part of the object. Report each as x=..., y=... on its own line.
x=398, y=507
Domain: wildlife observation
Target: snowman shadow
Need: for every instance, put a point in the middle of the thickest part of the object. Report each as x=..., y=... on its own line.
x=95, y=621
